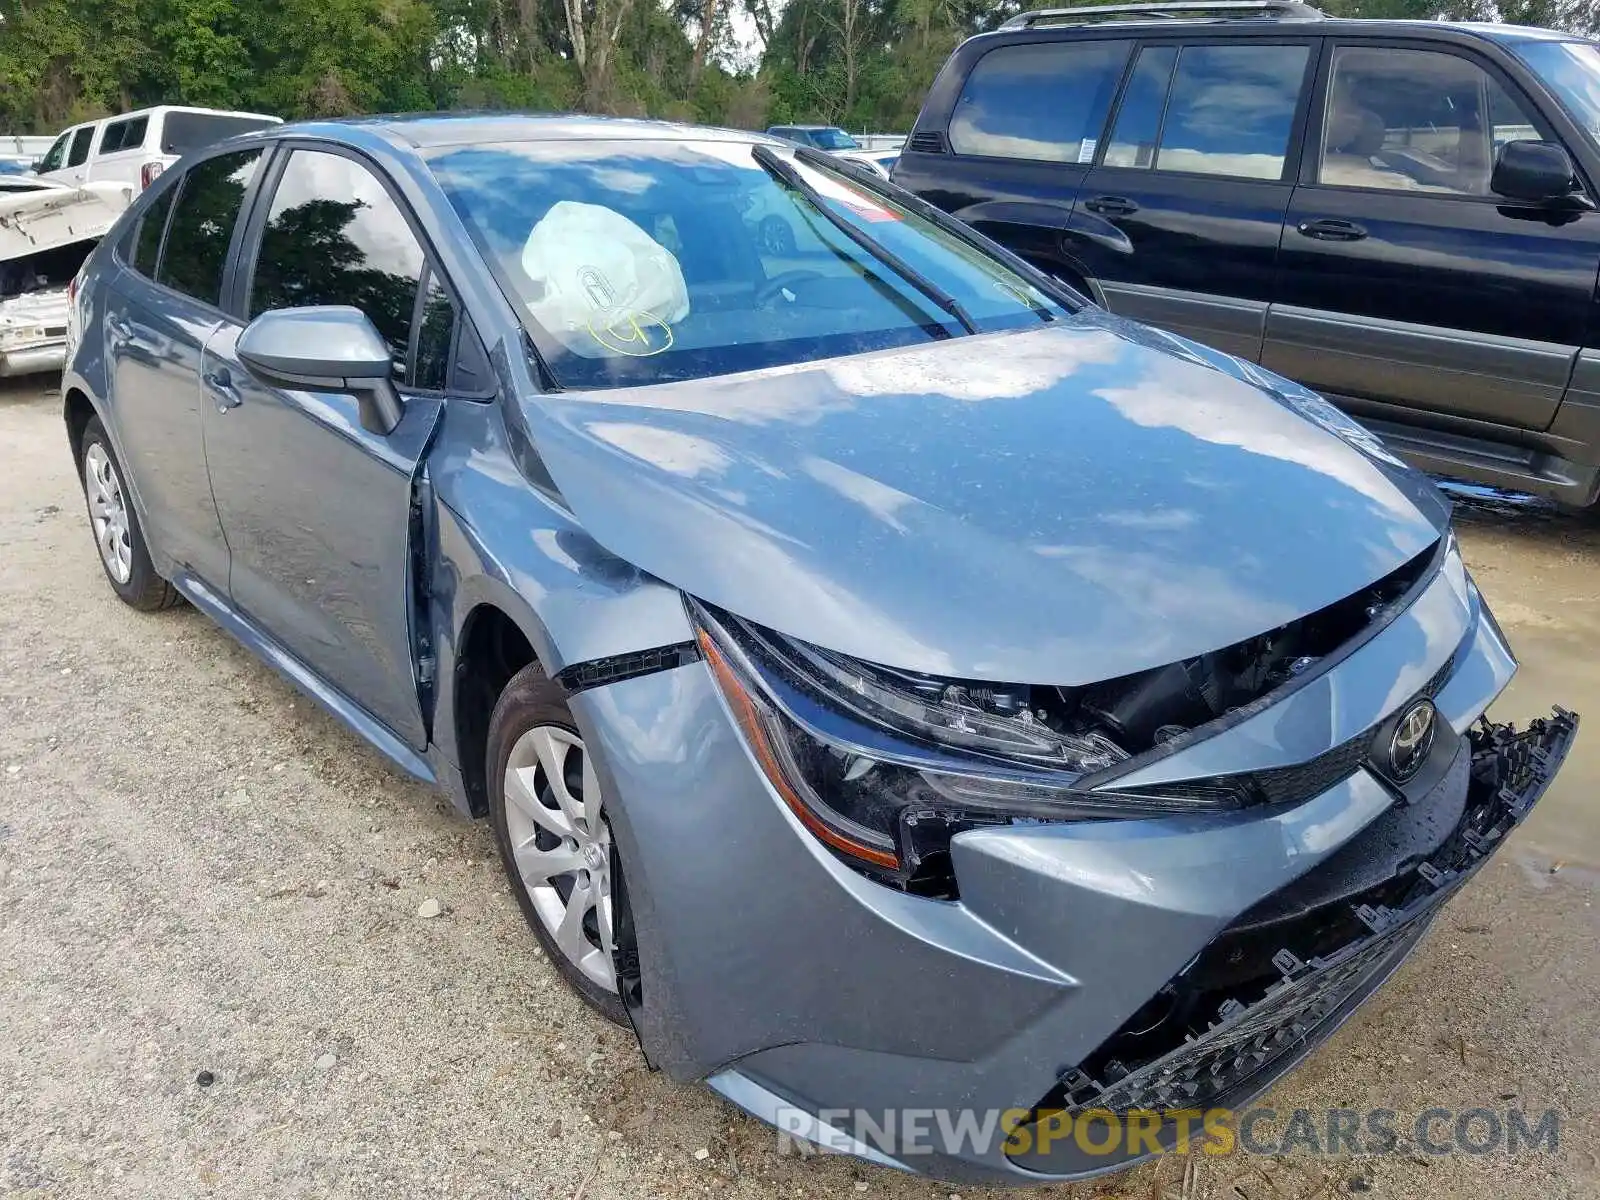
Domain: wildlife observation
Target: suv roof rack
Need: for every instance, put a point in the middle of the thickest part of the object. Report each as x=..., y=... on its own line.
x=1177, y=10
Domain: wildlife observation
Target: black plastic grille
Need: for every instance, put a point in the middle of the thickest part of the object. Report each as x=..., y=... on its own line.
x=1249, y=1039
x=927, y=142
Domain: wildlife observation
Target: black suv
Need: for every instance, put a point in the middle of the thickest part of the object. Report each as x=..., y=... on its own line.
x=1399, y=214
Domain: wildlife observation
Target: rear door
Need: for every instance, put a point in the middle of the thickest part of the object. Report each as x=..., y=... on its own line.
x=160, y=313
x=1021, y=135
x=1179, y=220
x=1404, y=283
x=317, y=508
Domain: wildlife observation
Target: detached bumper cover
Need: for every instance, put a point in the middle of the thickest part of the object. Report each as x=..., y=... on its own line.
x=1252, y=1044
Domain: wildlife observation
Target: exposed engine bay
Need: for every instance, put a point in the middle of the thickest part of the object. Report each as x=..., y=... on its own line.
x=1139, y=712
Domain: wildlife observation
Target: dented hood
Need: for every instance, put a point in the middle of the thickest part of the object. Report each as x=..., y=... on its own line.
x=1055, y=506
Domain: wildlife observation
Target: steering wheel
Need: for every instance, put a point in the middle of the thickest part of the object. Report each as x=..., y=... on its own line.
x=768, y=291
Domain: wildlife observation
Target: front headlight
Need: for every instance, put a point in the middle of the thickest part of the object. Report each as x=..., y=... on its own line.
x=885, y=766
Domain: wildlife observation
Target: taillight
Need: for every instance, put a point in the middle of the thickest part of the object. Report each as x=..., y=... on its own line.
x=148, y=173
x=72, y=289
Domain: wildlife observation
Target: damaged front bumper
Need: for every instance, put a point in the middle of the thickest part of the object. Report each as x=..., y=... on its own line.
x=1253, y=1042
x=33, y=333
x=797, y=988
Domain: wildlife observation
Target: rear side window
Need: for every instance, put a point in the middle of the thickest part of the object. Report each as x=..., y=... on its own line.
x=1231, y=110
x=127, y=134
x=148, y=244
x=182, y=132
x=335, y=236
x=79, y=153
x=207, y=208
x=1046, y=101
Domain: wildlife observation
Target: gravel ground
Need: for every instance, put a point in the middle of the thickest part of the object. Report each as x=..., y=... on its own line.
x=216, y=983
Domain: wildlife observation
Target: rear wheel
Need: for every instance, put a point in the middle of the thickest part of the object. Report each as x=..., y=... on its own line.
x=548, y=811
x=115, y=525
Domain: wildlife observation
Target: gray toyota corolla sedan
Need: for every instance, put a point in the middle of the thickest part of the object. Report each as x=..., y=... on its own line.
x=896, y=686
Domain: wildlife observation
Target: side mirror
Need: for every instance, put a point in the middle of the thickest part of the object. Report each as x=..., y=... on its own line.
x=1533, y=172
x=331, y=348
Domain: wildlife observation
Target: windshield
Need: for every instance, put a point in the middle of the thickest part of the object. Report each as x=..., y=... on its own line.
x=1572, y=71
x=832, y=139
x=651, y=261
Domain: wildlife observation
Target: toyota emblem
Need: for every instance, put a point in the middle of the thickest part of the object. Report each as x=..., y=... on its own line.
x=1411, y=740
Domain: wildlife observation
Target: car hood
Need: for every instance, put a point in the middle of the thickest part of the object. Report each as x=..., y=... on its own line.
x=1061, y=505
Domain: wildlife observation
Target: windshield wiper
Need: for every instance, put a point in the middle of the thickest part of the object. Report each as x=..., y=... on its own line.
x=773, y=164
x=886, y=189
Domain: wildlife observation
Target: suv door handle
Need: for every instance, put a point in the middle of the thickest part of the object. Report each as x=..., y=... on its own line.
x=1332, y=229
x=119, y=329
x=220, y=383
x=1111, y=206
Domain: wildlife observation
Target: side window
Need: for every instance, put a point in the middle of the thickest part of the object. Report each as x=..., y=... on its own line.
x=1046, y=101
x=1414, y=121
x=1133, y=138
x=78, y=153
x=1231, y=110
x=206, y=210
x=127, y=134
x=334, y=236
x=55, y=157
x=435, y=332
x=148, y=243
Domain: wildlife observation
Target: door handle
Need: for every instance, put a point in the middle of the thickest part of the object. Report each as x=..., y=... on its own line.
x=220, y=384
x=119, y=329
x=1111, y=206
x=1332, y=229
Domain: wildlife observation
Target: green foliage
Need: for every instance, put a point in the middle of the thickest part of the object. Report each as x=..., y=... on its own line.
x=864, y=64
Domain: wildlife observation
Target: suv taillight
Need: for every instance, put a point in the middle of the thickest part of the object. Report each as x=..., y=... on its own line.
x=148, y=173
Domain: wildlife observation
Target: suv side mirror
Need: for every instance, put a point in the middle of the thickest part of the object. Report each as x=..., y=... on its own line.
x=1534, y=172
x=331, y=348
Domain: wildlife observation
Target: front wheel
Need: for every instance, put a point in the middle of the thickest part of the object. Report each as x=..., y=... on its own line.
x=776, y=236
x=549, y=817
x=117, y=536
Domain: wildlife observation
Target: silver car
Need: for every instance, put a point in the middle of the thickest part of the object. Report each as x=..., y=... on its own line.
x=896, y=686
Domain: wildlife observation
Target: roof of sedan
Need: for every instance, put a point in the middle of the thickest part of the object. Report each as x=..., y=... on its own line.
x=424, y=130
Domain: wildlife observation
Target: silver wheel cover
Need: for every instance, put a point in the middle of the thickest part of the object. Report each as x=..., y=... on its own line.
x=562, y=846
x=108, y=512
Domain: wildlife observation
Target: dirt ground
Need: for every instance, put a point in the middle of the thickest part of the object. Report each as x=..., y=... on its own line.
x=205, y=881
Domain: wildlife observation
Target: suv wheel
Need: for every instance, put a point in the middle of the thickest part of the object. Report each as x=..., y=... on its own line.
x=115, y=526
x=549, y=819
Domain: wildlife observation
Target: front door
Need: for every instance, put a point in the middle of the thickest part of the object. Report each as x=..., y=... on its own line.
x=1179, y=219
x=316, y=508
x=1403, y=282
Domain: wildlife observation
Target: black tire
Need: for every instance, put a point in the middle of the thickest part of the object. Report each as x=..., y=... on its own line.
x=532, y=700
x=144, y=588
x=776, y=236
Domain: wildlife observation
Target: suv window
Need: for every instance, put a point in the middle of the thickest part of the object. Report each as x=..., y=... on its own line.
x=335, y=236
x=208, y=203
x=147, y=245
x=53, y=157
x=1230, y=110
x=1415, y=121
x=126, y=134
x=182, y=132
x=1133, y=138
x=1045, y=101
x=79, y=152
